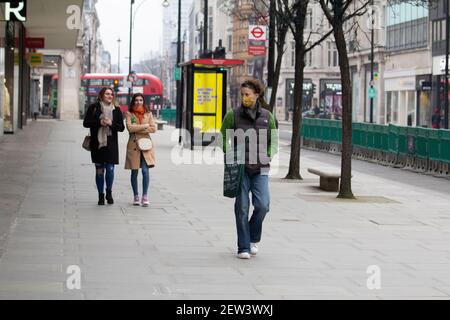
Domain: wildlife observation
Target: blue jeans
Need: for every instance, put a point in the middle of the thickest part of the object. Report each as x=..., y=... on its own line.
x=100, y=176
x=250, y=231
x=145, y=178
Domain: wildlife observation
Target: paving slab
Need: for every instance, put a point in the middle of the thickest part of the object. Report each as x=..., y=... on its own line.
x=314, y=246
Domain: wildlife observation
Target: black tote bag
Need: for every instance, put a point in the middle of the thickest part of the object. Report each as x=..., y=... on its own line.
x=234, y=169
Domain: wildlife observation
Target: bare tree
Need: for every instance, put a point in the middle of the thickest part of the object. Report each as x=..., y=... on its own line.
x=337, y=12
x=281, y=30
x=295, y=15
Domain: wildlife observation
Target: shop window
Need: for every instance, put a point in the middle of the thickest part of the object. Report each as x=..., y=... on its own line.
x=332, y=54
x=308, y=59
x=425, y=109
x=407, y=26
x=411, y=110
x=250, y=65
x=392, y=107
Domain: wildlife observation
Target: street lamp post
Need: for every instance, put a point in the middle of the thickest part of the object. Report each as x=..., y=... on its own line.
x=178, y=80
x=131, y=40
x=270, y=63
x=371, y=63
x=89, y=61
x=205, y=27
x=118, y=56
x=131, y=34
x=447, y=21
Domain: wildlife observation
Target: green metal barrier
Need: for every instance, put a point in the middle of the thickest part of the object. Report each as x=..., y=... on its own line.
x=402, y=140
x=336, y=131
x=434, y=145
x=169, y=115
x=364, y=135
x=395, y=140
x=384, y=138
x=356, y=133
x=422, y=141
x=445, y=146
x=317, y=130
x=370, y=142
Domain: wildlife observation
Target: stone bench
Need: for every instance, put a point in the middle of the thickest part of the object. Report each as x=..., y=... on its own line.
x=329, y=178
x=160, y=124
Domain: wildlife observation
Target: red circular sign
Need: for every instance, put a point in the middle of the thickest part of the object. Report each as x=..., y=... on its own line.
x=257, y=32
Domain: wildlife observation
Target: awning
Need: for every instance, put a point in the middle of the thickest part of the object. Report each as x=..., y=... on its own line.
x=48, y=19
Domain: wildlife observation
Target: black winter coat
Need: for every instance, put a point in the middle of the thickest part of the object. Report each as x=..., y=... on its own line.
x=110, y=153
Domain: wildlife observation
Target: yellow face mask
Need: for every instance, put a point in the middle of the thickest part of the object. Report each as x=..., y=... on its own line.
x=248, y=102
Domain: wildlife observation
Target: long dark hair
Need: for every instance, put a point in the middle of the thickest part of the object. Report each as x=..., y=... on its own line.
x=133, y=100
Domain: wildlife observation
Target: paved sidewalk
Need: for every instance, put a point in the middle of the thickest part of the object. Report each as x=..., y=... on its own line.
x=314, y=246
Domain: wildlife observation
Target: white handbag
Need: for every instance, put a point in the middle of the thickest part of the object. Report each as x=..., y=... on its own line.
x=144, y=144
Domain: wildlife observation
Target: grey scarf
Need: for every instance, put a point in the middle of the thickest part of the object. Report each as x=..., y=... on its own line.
x=251, y=112
x=104, y=132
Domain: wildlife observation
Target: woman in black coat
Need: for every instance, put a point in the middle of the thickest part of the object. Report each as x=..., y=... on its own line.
x=104, y=120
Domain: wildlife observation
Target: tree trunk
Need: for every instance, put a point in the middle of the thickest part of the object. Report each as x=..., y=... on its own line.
x=345, y=190
x=280, y=52
x=294, y=162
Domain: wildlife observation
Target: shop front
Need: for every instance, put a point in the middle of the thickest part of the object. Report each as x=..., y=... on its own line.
x=307, y=101
x=424, y=107
x=331, y=98
x=438, y=92
x=400, y=100
x=20, y=92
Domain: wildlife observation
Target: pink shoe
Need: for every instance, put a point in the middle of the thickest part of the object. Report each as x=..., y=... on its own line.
x=136, y=201
x=145, y=202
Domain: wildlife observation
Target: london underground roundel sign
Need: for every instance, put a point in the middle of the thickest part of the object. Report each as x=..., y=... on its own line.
x=257, y=32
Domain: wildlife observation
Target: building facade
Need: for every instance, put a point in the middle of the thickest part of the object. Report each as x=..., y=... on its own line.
x=244, y=14
x=169, y=45
x=21, y=93
x=402, y=67
x=95, y=58
x=439, y=36
x=219, y=27
x=321, y=84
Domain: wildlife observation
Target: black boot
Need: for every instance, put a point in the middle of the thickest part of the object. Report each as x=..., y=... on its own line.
x=109, y=197
x=101, y=199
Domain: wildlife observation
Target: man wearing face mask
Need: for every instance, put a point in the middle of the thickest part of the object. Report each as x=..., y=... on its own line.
x=253, y=129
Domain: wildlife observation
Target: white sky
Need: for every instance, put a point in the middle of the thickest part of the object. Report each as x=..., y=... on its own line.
x=114, y=16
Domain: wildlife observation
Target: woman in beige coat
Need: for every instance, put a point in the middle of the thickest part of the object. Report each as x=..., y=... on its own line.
x=140, y=124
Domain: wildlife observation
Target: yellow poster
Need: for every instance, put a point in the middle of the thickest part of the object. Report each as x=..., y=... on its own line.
x=36, y=59
x=207, y=123
x=208, y=99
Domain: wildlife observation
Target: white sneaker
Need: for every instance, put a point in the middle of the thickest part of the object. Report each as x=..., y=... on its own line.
x=136, y=201
x=243, y=255
x=253, y=249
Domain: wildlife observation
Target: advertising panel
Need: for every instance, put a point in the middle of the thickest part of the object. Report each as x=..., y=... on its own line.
x=208, y=87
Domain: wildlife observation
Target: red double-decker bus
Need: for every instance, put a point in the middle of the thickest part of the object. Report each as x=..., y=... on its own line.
x=147, y=84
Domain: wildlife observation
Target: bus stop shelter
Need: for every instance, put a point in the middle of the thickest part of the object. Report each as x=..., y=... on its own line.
x=203, y=100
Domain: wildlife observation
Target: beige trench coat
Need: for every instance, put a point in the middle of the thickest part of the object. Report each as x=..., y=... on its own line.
x=137, y=131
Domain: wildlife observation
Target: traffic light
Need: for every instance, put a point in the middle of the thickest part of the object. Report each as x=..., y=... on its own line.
x=313, y=89
x=375, y=76
x=116, y=85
